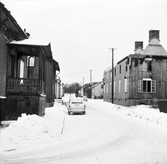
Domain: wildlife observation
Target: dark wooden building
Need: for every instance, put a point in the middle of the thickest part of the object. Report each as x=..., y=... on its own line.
x=140, y=78
x=27, y=71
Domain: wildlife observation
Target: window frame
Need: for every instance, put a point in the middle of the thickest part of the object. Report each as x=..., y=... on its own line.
x=145, y=83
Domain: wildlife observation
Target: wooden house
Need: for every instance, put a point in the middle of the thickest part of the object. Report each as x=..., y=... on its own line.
x=27, y=71
x=139, y=78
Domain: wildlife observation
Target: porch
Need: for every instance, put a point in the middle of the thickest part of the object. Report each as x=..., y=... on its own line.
x=25, y=85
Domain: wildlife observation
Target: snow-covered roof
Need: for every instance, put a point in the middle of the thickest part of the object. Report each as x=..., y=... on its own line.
x=96, y=84
x=2, y=97
x=109, y=68
x=154, y=48
x=31, y=42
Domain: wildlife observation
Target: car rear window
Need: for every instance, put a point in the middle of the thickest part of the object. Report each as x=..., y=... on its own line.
x=76, y=101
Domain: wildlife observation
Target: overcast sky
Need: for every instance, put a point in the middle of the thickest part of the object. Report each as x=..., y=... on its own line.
x=82, y=31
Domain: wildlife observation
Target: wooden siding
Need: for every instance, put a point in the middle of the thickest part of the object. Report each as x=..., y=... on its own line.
x=157, y=73
x=18, y=104
x=3, y=65
x=132, y=70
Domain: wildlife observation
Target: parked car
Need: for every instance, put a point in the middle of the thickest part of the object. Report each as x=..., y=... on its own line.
x=76, y=105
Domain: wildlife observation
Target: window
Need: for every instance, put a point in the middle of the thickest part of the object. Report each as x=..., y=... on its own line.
x=147, y=64
x=107, y=89
x=21, y=68
x=144, y=66
x=30, y=61
x=125, y=85
x=126, y=68
x=21, y=71
x=147, y=86
x=114, y=86
x=119, y=88
x=119, y=69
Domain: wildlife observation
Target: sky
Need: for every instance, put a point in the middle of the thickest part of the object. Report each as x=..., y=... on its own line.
x=81, y=32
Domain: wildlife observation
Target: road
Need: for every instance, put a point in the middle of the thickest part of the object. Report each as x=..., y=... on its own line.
x=102, y=136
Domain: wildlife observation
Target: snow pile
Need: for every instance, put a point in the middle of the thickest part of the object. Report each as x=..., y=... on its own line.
x=31, y=129
x=147, y=114
x=143, y=112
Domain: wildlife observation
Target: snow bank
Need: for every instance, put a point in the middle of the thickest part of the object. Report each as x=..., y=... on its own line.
x=148, y=114
x=143, y=112
x=33, y=129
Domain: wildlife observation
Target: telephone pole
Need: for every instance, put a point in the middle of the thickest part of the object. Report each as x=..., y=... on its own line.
x=112, y=90
x=90, y=76
x=83, y=81
x=90, y=83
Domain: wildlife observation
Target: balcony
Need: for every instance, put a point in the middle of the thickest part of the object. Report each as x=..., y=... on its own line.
x=24, y=85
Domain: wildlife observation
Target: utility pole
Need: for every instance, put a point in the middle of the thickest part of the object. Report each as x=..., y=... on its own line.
x=90, y=83
x=90, y=76
x=112, y=90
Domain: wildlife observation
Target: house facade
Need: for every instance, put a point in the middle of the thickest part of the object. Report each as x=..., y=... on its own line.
x=59, y=88
x=139, y=78
x=27, y=71
x=85, y=90
x=97, y=91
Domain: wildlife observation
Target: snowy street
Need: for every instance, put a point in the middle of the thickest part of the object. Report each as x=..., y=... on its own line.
x=106, y=134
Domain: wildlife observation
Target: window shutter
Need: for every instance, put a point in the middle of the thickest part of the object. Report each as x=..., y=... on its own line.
x=153, y=88
x=139, y=86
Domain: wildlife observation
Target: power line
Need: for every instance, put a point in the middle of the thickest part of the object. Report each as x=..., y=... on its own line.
x=75, y=73
x=79, y=73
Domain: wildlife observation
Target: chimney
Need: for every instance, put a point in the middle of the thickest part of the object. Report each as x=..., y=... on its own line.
x=138, y=47
x=153, y=34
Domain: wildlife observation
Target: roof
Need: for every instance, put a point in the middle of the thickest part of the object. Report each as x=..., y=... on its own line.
x=30, y=42
x=96, y=84
x=8, y=21
x=56, y=65
x=109, y=68
x=122, y=59
x=154, y=50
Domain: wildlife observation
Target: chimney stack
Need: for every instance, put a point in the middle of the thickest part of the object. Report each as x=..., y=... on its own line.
x=153, y=34
x=138, y=47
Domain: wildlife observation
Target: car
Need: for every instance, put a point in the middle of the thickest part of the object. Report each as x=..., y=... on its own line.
x=76, y=105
